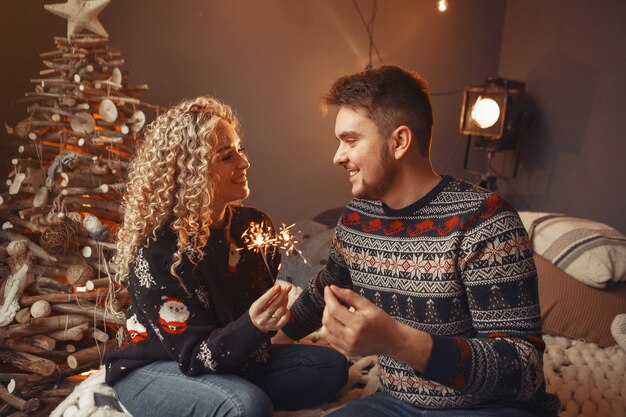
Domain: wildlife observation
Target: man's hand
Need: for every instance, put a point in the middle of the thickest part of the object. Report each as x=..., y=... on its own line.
x=365, y=329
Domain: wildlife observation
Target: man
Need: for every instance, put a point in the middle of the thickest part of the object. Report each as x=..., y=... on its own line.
x=432, y=274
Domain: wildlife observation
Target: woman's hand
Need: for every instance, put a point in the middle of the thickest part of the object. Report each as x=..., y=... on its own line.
x=269, y=312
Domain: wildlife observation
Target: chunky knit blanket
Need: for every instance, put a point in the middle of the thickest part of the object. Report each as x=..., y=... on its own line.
x=590, y=381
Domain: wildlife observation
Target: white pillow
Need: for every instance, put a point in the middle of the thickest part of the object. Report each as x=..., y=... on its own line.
x=592, y=252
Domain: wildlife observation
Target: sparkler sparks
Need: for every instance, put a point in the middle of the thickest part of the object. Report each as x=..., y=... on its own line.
x=259, y=237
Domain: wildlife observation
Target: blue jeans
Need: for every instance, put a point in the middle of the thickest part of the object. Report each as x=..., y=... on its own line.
x=298, y=376
x=381, y=404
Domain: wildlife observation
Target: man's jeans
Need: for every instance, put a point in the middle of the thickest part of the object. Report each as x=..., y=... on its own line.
x=381, y=404
x=298, y=376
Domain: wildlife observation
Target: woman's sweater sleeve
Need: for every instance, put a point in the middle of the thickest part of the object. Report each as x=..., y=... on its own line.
x=184, y=326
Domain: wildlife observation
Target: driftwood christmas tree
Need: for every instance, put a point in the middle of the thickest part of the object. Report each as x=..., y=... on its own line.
x=59, y=209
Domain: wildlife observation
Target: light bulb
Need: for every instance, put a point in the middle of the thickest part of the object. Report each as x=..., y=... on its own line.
x=485, y=112
x=442, y=5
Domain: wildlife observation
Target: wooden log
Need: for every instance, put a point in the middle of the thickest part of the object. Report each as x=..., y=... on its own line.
x=18, y=221
x=38, y=344
x=88, y=309
x=100, y=204
x=22, y=316
x=8, y=376
x=47, y=270
x=63, y=298
x=90, y=357
x=57, y=392
x=43, y=325
x=23, y=405
x=100, y=335
x=92, y=284
x=28, y=362
x=35, y=249
x=54, y=284
x=40, y=309
x=75, y=333
x=79, y=179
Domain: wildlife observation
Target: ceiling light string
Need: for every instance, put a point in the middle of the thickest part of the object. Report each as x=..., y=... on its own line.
x=369, y=27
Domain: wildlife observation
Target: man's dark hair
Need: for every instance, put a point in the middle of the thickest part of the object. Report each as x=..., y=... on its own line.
x=392, y=96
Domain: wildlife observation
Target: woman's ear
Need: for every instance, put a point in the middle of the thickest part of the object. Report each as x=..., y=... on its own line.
x=401, y=138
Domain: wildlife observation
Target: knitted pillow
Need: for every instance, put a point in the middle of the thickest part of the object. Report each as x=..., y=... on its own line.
x=589, y=251
x=314, y=241
x=572, y=309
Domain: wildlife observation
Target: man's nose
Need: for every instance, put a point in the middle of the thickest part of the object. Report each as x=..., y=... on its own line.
x=340, y=157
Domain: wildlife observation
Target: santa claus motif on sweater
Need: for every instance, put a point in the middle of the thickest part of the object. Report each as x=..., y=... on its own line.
x=136, y=330
x=173, y=315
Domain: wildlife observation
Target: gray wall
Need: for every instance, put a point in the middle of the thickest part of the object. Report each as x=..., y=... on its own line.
x=272, y=59
x=572, y=55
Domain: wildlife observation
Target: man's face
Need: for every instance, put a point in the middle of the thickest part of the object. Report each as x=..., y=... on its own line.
x=364, y=154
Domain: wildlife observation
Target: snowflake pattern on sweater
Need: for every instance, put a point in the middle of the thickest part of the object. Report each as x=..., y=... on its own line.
x=458, y=265
x=207, y=328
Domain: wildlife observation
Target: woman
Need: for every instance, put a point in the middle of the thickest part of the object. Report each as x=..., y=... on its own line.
x=203, y=305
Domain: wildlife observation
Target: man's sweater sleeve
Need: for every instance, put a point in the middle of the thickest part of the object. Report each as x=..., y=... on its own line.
x=504, y=359
x=306, y=312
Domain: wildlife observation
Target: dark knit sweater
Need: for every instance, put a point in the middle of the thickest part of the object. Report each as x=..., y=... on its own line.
x=209, y=328
x=458, y=265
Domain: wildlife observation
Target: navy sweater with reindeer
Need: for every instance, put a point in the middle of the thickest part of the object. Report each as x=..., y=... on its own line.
x=458, y=265
x=206, y=329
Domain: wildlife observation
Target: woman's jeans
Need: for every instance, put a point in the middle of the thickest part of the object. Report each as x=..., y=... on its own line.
x=381, y=404
x=298, y=376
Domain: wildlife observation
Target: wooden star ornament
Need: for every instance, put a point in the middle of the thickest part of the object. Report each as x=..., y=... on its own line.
x=80, y=14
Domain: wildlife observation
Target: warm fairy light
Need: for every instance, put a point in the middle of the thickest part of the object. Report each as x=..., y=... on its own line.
x=442, y=5
x=80, y=289
x=87, y=373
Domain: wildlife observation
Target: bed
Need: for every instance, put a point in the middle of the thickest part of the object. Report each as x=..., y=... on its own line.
x=581, y=267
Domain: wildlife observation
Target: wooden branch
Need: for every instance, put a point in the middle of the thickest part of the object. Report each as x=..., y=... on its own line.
x=23, y=405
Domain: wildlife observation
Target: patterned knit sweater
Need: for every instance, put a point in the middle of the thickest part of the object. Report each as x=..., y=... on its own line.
x=207, y=329
x=458, y=265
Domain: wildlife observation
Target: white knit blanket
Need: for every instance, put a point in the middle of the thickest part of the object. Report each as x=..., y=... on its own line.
x=589, y=381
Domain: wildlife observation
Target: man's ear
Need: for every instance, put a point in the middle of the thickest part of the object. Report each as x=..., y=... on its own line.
x=401, y=138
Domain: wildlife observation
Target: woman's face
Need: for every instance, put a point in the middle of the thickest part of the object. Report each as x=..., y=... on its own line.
x=230, y=165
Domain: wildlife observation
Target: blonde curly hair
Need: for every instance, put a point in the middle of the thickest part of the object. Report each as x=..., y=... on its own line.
x=171, y=177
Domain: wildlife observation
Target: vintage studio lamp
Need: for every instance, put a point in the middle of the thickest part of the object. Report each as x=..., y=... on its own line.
x=495, y=117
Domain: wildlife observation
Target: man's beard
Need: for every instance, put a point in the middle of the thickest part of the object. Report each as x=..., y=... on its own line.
x=377, y=190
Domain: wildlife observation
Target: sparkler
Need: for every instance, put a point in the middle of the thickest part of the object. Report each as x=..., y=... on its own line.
x=288, y=241
x=259, y=237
